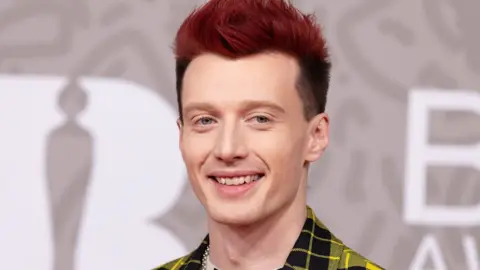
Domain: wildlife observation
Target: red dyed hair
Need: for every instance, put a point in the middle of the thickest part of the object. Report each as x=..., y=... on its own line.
x=239, y=28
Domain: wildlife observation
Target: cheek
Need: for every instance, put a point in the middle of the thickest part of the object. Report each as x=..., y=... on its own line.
x=283, y=154
x=279, y=151
x=279, y=143
x=195, y=148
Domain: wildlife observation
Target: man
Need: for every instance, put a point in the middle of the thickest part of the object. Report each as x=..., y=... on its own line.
x=252, y=80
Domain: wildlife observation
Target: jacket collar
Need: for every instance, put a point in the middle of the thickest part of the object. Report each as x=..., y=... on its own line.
x=312, y=250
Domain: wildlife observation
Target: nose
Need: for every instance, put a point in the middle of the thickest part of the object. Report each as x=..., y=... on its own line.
x=230, y=145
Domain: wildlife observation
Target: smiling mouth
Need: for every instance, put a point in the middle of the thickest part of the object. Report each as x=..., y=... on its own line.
x=237, y=180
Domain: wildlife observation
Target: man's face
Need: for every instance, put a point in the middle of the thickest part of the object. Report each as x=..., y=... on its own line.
x=244, y=138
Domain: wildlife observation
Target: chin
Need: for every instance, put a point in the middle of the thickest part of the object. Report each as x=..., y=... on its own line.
x=234, y=215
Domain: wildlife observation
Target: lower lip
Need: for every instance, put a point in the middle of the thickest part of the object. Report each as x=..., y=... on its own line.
x=234, y=191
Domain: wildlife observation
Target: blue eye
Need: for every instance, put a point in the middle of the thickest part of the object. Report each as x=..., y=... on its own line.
x=204, y=121
x=262, y=119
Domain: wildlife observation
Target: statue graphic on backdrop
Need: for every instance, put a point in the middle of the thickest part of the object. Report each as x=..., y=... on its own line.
x=69, y=162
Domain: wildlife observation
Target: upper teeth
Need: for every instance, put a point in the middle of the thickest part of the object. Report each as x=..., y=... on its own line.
x=237, y=180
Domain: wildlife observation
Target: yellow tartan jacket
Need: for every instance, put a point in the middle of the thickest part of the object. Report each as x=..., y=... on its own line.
x=315, y=249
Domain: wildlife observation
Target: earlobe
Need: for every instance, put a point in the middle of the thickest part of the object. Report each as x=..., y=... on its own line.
x=318, y=137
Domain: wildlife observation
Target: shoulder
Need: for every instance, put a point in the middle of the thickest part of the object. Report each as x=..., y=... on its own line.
x=341, y=256
x=352, y=260
x=174, y=264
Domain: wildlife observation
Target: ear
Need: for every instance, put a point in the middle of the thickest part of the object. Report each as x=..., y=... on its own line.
x=317, y=137
x=180, y=131
x=179, y=124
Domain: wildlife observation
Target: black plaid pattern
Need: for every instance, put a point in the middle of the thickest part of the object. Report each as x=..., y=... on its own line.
x=315, y=249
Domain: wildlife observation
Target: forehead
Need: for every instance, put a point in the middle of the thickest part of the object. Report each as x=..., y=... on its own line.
x=215, y=79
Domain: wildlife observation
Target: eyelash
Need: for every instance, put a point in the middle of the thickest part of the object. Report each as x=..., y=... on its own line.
x=197, y=121
x=267, y=118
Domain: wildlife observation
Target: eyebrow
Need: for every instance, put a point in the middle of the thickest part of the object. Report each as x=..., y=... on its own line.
x=199, y=106
x=245, y=106
x=253, y=104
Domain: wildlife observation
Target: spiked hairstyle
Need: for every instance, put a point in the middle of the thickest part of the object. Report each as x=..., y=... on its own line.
x=240, y=28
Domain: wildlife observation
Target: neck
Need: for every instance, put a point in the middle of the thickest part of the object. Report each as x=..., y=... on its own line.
x=265, y=245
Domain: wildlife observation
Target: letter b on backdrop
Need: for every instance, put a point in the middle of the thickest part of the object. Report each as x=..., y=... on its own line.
x=137, y=174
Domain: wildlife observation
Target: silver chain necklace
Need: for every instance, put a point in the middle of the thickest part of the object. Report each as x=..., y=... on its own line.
x=205, y=258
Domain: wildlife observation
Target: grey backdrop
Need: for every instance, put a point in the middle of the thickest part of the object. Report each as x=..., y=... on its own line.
x=380, y=50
